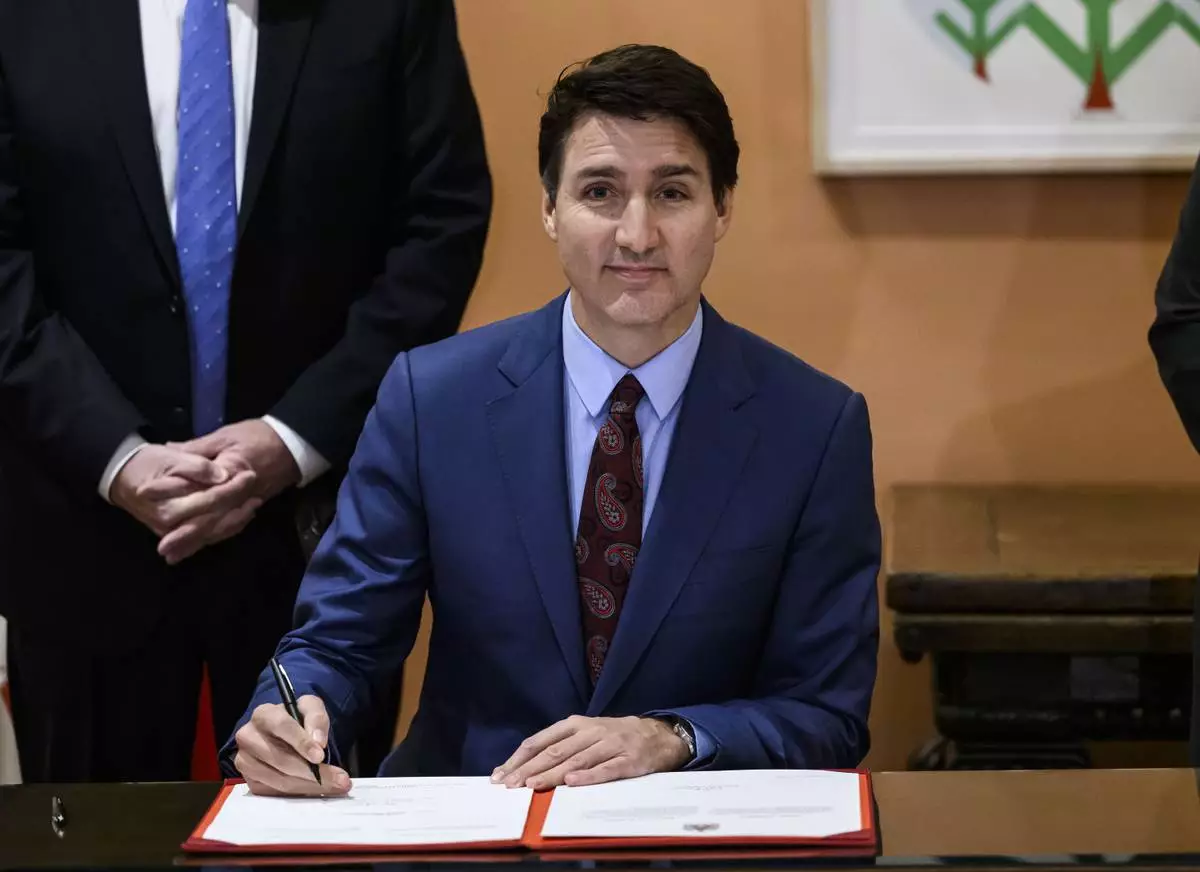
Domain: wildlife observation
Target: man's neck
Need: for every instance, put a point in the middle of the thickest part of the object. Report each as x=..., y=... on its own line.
x=633, y=346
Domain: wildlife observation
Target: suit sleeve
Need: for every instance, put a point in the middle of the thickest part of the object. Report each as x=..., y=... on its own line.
x=439, y=225
x=812, y=693
x=359, y=606
x=55, y=396
x=1175, y=333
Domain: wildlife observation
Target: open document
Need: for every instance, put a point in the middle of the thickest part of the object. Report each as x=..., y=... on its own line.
x=809, y=813
x=770, y=803
x=378, y=812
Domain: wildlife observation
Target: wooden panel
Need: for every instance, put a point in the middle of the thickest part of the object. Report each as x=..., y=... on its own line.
x=1042, y=548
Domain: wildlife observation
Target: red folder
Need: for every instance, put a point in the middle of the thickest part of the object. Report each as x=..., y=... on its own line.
x=861, y=842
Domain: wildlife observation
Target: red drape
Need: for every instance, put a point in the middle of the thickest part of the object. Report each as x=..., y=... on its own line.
x=204, y=751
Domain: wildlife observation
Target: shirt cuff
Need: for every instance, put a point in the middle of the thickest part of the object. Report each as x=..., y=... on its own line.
x=307, y=458
x=130, y=445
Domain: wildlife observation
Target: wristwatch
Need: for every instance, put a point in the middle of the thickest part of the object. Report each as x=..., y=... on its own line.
x=683, y=730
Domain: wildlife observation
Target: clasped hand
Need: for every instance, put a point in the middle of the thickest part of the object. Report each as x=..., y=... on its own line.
x=197, y=493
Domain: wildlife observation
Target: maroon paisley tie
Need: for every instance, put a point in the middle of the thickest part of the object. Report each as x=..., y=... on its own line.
x=610, y=522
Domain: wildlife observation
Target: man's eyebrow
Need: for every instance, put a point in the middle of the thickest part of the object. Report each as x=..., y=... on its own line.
x=601, y=171
x=670, y=170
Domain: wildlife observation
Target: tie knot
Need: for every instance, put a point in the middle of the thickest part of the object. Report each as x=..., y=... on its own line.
x=626, y=395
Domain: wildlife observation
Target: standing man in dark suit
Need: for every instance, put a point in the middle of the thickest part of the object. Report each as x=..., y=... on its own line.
x=220, y=220
x=1175, y=340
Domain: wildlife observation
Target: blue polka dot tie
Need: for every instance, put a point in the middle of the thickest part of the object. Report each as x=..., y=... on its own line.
x=206, y=202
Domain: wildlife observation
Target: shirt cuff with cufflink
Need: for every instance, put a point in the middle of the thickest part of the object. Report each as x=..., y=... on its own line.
x=310, y=461
x=130, y=445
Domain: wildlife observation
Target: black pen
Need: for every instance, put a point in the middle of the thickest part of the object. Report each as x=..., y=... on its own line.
x=289, y=702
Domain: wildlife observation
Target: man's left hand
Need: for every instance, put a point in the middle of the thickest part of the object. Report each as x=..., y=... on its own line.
x=583, y=750
x=252, y=442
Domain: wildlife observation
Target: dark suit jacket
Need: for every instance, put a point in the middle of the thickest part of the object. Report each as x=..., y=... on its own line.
x=363, y=216
x=1175, y=333
x=1175, y=340
x=752, y=610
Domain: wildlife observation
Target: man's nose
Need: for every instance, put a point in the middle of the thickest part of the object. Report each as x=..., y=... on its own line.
x=637, y=231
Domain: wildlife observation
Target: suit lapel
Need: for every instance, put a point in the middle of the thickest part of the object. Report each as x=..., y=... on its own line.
x=711, y=444
x=116, y=65
x=283, y=30
x=527, y=427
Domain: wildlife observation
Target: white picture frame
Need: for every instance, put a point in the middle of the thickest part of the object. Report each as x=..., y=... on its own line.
x=894, y=90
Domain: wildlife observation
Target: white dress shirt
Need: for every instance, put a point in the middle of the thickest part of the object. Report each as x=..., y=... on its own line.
x=162, y=40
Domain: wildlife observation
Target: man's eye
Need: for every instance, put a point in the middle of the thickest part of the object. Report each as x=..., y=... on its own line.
x=673, y=194
x=597, y=192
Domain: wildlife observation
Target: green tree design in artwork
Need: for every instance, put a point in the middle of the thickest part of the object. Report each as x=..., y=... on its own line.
x=981, y=41
x=1098, y=64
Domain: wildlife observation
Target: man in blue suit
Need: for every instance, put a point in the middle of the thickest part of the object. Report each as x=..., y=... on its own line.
x=649, y=537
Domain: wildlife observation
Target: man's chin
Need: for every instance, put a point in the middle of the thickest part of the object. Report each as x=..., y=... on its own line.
x=641, y=308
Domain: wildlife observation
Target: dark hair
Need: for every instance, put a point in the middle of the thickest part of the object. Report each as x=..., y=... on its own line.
x=643, y=82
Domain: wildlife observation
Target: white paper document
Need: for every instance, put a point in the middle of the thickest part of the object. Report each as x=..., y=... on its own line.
x=378, y=811
x=759, y=803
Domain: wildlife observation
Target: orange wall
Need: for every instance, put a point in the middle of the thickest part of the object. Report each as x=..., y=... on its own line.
x=996, y=325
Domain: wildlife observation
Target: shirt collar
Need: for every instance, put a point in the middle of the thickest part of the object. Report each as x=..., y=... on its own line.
x=594, y=373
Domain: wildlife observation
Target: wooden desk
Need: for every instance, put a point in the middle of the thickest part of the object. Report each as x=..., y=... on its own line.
x=1052, y=615
x=1040, y=814
x=1093, y=818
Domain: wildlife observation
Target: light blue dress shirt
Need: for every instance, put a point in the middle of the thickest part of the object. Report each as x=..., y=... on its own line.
x=590, y=376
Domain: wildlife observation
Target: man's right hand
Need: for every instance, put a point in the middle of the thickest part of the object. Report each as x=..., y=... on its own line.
x=208, y=488
x=274, y=752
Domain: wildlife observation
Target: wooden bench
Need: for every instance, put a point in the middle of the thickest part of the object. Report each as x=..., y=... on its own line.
x=1053, y=616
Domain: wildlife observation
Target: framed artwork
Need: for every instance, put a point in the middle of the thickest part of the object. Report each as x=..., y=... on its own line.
x=924, y=86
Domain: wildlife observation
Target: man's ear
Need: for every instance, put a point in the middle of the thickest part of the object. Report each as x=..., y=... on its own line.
x=724, y=214
x=549, y=216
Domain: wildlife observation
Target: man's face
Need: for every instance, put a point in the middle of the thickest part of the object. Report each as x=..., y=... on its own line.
x=635, y=221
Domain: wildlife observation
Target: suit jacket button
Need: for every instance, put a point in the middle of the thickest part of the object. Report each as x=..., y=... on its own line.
x=176, y=305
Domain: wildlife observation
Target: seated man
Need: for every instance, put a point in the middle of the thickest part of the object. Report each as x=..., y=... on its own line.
x=649, y=537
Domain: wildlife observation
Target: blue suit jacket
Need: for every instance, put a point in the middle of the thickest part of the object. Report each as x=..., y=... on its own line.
x=752, y=610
